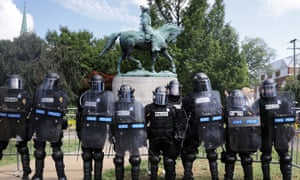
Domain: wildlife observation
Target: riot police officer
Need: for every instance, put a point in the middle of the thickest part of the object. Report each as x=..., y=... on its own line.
x=161, y=134
x=204, y=110
x=277, y=119
x=243, y=134
x=95, y=112
x=128, y=132
x=49, y=107
x=15, y=103
x=174, y=95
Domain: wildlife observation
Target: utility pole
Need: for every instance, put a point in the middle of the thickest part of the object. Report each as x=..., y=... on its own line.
x=294, y=54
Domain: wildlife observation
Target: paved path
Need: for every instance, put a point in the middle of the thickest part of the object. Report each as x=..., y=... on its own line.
x=73, y=168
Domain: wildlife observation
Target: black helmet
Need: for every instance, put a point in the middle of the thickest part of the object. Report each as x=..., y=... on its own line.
x=201, y=83
x=174, y=90
x=126, y=93
x=160, y=95
x=15, y=81
x=97, y=84
x=50, y=81
x=269, y=88
x=237, y=99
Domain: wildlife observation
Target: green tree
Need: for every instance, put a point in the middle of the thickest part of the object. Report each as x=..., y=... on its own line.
x=258, y=55
x=294, y=86
x=209, y=45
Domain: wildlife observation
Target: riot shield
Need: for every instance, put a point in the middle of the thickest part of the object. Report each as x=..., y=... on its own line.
x=48, y=113
x=209, y=119
x=243, y=124
x=129, y=128
x=12, y=114
x=96, y=116
x=284, y=120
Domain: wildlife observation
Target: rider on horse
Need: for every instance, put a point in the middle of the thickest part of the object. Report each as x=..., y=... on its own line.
x=146, y=23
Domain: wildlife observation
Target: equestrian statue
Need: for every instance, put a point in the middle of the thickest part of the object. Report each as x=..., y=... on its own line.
x=147, y=39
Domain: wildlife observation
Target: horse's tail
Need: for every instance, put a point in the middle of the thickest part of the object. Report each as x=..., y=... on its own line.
x=110, y=42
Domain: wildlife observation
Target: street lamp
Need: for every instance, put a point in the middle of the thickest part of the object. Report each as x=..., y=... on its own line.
x=294, y=52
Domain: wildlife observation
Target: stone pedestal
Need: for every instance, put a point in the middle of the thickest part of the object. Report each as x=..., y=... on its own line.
x=143, y=83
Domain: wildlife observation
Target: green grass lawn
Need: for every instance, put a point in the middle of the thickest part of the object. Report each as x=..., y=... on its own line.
x=201, y=171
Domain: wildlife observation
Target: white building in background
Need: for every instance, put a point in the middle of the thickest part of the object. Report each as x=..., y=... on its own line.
x=282, y=69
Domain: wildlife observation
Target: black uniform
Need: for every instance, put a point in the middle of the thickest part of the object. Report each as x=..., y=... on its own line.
x=49, y=108
x=175, y=99
x=277, y=123
x=15, y=104
x=204, y=109
x=95, y=112
x=128, y=132
x=243, y=134
x=161, y=134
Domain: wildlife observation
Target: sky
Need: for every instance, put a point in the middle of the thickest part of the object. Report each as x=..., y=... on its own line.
x=275, y=21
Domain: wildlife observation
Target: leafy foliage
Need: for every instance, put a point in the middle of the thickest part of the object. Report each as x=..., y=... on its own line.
x=207, y=44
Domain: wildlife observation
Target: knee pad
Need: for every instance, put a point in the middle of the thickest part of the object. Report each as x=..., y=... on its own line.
x=246, y=160
x=266, y=158
x=98, y=156
x=213, y=156
x=58, y=155
x=135, y=160
x=227, y=158
x=188, y=157
x=86, y=156
x=169, y=162
x=285, y=158
x=38, y=154
x=118, y=160
x=154, y=159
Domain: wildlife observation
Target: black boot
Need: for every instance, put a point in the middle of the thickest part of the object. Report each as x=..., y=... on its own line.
x=58, y=157
x=154, y=160
x=87, y=169
x=229, y=169
x=39, y=167
x=39, y=164
x=187, y=162
x=119, y=167
x=87, y=163
x=135, y=162
x=98, y=157
x=286, y=166
x=247, y=166
x=265, y=166
x=213, y=165
x=25, y=158
x=26, y=168
x=169, y=165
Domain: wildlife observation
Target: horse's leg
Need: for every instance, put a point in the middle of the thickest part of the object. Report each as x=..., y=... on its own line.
x=167, y=55
x=121, y=58
x=139, y=64
x=154, y=55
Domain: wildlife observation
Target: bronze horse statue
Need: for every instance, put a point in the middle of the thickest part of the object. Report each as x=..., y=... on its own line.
x=130, y=40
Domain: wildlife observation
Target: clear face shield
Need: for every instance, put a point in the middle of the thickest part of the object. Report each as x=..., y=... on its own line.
x=15, y=83
x=269, y=90
x=126, y=94
x=174, y=90
x=202, y=86
x=237, y=101
x=50, y=83
x=97, y=86
x=160, y=96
